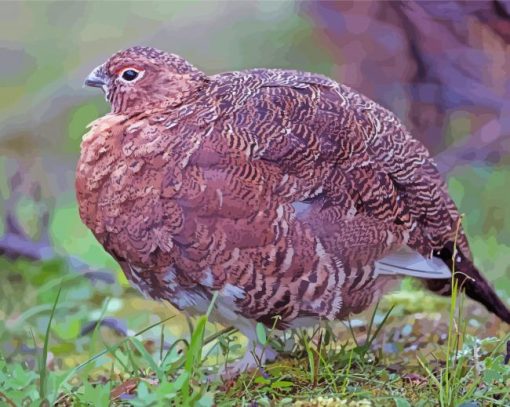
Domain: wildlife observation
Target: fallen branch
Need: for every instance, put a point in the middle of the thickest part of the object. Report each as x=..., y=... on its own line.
x=14, y=246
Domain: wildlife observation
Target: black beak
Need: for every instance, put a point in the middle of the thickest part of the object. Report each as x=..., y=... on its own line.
x=96, y=79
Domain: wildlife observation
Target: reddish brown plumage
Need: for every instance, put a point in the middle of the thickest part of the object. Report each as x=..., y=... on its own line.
x=279, y=189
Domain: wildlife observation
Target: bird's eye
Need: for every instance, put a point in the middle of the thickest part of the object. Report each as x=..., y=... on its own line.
x=130, y=75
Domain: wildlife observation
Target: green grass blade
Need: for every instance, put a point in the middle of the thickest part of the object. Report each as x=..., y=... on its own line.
x=371, y=324
x=379, y=327
x=147, y=356
x=43, y=378
x=104, y=352
x=193, y=355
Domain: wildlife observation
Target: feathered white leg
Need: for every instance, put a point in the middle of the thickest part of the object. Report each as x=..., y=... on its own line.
x=252, y=359
x=256, y=354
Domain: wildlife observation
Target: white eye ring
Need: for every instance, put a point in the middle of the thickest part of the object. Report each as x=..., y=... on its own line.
x=131, y=75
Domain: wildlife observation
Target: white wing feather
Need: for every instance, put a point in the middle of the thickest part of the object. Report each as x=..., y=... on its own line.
x=408, y=262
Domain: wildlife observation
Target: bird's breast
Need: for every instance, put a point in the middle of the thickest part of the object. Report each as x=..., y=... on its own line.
x=136, y=187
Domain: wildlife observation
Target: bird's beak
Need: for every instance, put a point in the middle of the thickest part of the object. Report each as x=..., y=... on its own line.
x=97, y=78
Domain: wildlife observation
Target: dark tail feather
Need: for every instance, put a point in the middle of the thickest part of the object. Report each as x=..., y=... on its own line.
x=471, y=281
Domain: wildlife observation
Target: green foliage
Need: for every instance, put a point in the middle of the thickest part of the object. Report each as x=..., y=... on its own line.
x=470, y=373
x=95, y=395
x=17, y=383
x=261, y=333
x=71, y=236
x=79, y=119
x=43, y=376
x=479, y=192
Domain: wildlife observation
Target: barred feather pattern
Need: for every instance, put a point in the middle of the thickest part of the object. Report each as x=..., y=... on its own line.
x=279, y=189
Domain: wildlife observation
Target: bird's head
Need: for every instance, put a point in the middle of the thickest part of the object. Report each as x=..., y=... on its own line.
x=139, y=78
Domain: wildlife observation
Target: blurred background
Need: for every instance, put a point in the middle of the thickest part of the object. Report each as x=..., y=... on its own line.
x=442, y=67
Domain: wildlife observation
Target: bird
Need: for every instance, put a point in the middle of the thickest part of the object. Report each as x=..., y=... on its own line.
x=285, y=196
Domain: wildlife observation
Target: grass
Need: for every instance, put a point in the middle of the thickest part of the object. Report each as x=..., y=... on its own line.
x=141, y=353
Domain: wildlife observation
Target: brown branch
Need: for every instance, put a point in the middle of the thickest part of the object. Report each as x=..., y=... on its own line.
x=14, y=246
x=8, y=401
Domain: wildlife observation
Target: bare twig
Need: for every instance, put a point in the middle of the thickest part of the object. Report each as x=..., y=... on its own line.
x=8, y=401
x=14, y=246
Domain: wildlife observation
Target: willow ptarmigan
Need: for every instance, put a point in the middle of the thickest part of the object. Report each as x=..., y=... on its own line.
x=287, y=193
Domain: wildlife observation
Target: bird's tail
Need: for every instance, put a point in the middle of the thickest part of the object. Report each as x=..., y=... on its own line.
x=470, y=280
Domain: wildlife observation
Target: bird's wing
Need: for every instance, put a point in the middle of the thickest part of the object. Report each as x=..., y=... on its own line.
x=394, y=173
x=339, y=153
x=414, y=173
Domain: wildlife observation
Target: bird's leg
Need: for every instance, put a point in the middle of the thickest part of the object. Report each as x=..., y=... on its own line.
x=256, y=354
x=255, y=357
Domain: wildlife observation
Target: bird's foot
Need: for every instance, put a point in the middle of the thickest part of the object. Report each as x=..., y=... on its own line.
x=253, y=359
